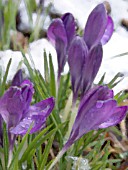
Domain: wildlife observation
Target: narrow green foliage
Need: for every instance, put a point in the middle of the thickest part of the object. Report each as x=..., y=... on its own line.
x=5, y=78
x=10, y=11
x=64, y=86
x=46, y=153
x=121, y=97
x=115, y=80
x=52, y=77
x=38, y=80
x=19, y=150
x=38, y=140
x=101, y=82
x=46, y=69
x=30, y=6
x=5, y=145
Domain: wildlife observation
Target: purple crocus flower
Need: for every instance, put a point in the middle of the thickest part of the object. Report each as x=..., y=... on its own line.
x=85, y=53
x=84, y=65
x=16, y=111
x=97, y=110
x=60, y=33
x=99, y=27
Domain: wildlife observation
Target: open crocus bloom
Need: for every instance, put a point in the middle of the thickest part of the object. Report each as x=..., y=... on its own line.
x=97, y=110
x=60, y=33
x=16, y=111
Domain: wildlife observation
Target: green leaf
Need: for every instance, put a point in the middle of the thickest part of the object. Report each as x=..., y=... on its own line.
x=19, y=150
x=52, y=77
x=46, y=69
x=30, y=6
x=102, y=79
x=5, y=78
x=114, y=81
x=46, y=153
x=5, y=144
x=38, y=140
x=37, y=79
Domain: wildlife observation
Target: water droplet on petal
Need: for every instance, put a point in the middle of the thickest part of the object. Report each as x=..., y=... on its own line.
x=99, y=104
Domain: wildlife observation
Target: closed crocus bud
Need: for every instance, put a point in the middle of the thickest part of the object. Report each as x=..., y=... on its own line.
x=77, y=58
x=84, y=65
x=60, y=33
x=99, y=27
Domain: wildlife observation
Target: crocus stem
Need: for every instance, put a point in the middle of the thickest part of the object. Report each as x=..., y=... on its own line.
x=72, y=119
x=60, y=154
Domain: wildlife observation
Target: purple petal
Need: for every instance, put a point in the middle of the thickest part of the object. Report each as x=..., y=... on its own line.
x=95, y=107
x=108, y=31
x=69, y=23
x=18, y=78
x=57, y=35
x=23, y=126
x=96, y=25
x=91, y=67
x=57, y=31
x=14, y=103
x=37, y=115
x=97, y=93
x=117, y=117
x=76, y=58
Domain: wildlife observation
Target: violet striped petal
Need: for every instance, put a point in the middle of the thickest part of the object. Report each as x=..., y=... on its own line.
x=18, y=78
x=57, y=31
x=14, y=103
x=108, y=31
x=96, y=25
x=69, y=24
x=77, y=57
x=37, y=115
x=117, y=117
x=96, y=110
x=91, y=67
x=57, y=35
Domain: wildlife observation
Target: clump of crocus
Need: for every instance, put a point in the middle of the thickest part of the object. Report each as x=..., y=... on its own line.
x=97, y=110
x=85, y=53
x=60, y=33
x=16, y=111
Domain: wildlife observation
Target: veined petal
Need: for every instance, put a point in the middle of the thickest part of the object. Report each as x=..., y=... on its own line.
x=77, y=58
x=108, y=31
x=58, y=36
x=44, y=107
x=14, y=103
x=22, y=127
x=91, y=67
x=57, y=31
x=94, y=117
x=95, y=111
x=117, y=117
x=95, y=107
x=96, y=25
x=69, y=23
x=37, y=115
x=18, y=78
